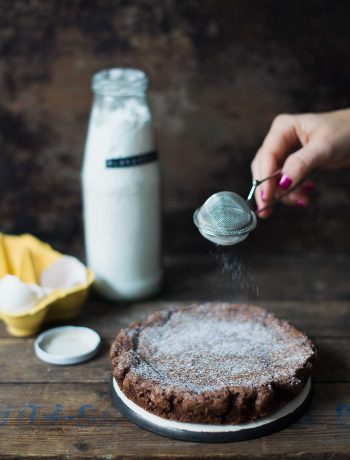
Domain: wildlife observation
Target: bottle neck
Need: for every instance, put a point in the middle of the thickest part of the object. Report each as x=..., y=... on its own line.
x=114, y=100
x=120, y=83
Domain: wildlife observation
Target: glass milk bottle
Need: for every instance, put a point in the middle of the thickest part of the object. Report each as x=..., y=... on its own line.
x=121, y=188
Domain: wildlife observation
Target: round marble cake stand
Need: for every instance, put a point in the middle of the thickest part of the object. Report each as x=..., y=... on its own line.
x=196, y=432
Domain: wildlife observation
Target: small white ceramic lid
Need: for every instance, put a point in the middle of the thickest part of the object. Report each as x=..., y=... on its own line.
x=67, y=345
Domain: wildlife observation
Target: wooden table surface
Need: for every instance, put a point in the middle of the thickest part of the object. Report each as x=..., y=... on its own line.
x=66, y=412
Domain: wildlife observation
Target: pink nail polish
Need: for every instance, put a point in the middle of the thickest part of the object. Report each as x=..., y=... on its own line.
x=285, y=182
x=301, y=203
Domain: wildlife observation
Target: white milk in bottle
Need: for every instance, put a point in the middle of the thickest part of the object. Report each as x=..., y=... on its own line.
x=121, y=188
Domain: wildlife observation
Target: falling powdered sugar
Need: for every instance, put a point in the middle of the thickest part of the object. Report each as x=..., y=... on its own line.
x=238, y=280
x=206, y=348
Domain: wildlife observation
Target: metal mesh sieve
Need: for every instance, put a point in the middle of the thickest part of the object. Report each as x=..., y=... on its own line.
x=225, y=218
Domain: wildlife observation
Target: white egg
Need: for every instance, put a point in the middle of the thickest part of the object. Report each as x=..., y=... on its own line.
x=16, y=296
x=65, y=273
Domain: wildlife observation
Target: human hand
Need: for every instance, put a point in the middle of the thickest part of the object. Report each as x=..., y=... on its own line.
x=297, y=144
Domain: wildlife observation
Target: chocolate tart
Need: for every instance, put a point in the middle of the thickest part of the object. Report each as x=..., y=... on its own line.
x=213, y=363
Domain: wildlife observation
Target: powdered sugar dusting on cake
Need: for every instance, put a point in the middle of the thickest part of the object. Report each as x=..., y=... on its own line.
x=206, y=349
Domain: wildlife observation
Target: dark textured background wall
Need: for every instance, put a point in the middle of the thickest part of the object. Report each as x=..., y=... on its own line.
x=219, y=72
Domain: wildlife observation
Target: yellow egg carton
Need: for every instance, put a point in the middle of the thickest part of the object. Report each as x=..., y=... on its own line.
x=26, y=257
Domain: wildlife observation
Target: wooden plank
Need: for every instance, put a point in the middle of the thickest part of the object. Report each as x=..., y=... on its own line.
x=332, y=363
x=233, y=273
x=19, y=364
x=78, y=421
x=313, y=294
x=317, y=318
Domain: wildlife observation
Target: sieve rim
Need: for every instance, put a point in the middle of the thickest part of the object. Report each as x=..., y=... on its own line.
x=224, y=240
x=209, y=230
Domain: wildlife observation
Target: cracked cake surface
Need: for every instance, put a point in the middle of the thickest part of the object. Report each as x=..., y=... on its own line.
x=212, y=363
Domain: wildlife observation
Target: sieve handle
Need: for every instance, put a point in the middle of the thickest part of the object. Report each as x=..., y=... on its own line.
x=287, y=192
x=257, y=182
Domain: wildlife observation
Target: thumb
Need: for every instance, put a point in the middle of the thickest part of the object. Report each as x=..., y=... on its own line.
x=298, y=165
